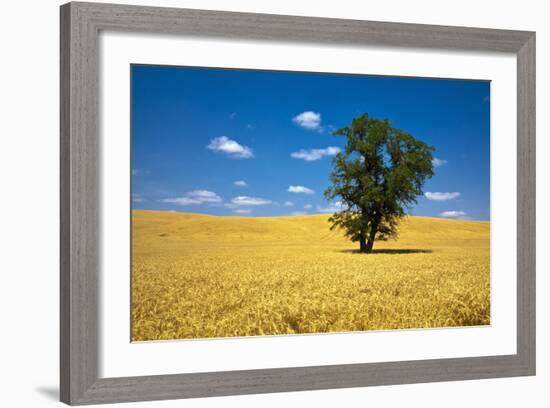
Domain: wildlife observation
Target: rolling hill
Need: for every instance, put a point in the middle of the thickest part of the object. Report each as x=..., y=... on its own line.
x=197, y=276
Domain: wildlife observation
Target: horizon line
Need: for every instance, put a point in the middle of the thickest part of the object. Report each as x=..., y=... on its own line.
x=290, y=215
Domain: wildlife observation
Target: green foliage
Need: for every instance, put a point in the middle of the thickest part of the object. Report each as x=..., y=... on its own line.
x=377, y=177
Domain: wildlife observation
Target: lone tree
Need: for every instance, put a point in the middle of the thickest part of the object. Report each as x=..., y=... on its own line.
x=378, y=175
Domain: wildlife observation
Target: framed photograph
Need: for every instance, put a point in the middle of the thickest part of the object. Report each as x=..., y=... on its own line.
x=261, y=203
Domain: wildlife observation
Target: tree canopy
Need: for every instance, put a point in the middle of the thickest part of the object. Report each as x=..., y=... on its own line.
x=376, y=178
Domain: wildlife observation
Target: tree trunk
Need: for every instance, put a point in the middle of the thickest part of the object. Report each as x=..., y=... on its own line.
x=363, y=244
x=372, y=235
x=370, y=244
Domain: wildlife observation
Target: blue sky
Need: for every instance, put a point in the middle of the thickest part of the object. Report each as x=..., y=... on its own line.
x=260, y=143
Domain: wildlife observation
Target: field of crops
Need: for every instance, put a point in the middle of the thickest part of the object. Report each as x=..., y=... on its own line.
x=198, y=276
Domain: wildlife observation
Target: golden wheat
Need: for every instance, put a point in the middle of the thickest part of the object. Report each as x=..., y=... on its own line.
x=198, y=276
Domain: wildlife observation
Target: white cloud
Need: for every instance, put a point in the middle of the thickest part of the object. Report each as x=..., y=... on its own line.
x=308, y=120
x=243, y=211
x=288, y=204
x=240, y=183
x=300, y=189
x=230, y=147
x=315, y=154
x=245, y=201
x=205, y=196
x=436, y=196
x=332, y=207
x=297, y=213
x=138, y=198
x=308, y=207
x=180, y=201
x=452, y=214
x=438, y=162
x=195, y=197
x=229, y=205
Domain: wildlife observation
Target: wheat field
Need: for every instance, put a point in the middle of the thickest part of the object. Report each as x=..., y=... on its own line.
x=201, y=276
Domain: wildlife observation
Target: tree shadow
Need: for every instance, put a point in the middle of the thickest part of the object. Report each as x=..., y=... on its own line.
x=388, y=251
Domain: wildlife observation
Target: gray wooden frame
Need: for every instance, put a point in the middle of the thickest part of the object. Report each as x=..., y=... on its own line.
x=80, y=235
